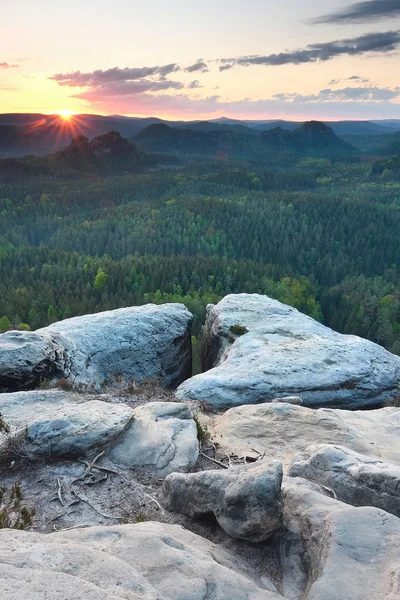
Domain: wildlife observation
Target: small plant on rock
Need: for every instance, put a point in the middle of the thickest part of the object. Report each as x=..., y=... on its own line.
x=202, y=432
x=238, y=329
x=13, y=513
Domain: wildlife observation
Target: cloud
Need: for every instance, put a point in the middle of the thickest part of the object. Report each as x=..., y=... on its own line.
x=127, y=88
x=362, y=12
x=369, y=42
x=194, y=85
x=5, y=65
x=99, y=77
x=349, y=94
x=200, y=65
x=357, y=78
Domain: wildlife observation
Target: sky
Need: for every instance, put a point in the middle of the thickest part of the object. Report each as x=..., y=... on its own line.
x=253, y=59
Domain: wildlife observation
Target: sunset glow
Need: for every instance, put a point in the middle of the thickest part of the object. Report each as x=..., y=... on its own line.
x=317, y=61
x=66, y=114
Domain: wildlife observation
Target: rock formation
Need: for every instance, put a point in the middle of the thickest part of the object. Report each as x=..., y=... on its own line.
x=160, y=436
x=348, y=553
x=146, y=561
x=355, y=478
x=257, y=349
x=245, y=501
x=86, y=460
x=282, y=430
x=144, y=342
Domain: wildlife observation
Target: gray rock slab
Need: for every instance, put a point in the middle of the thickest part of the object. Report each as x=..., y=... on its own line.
x=283, y=430
x=282, y=352
x=146, y=561
x=162, y=438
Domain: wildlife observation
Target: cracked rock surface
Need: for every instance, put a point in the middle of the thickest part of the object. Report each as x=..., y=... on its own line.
x=283, y=430
x=347, y=553
x=162, y=437
x=146, y=561
x=257, y=349
x=246, y=501
x=356, y=479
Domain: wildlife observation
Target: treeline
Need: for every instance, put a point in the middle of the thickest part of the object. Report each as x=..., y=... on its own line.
x=320, y=235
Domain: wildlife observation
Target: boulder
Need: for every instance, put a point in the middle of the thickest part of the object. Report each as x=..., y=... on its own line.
x=256, y=349
x=246, y=501
x=27, y=358
x=145, y=561
x=162, y=438
x=345, y=552
x=283, y=430
x=135, y=343
x=52, y=423
x=356, y=479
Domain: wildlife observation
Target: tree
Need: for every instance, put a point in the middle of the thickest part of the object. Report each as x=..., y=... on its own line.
x=100, y=281
x=5, y=324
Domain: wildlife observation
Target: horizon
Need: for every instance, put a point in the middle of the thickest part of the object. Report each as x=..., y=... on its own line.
x=73, y=115
x=337, y=62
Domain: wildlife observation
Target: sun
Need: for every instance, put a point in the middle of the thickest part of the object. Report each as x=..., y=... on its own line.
x=65, y=113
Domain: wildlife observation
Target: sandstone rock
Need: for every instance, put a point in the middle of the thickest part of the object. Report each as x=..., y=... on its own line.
x=283, y=430
x=289, y=400
x=257, y=349
x=146, y=561
x=348, y=553
x=162, y=437
x=27, y=358
x=356, y=479
x=60, y=424
x=143, y=342
x=245, y=501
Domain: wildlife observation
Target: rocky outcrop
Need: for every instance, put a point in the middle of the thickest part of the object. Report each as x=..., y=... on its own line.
x=257, y=349
x=27, y=358
x=356, y=479
x=162, y=438
x=245, y=501
x=144, y=342
x=146, y=561
x=335, y=551
x=284, y=430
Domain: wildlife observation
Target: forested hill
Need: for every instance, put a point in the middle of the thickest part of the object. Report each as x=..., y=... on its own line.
x=318, y=234
x=311, y=139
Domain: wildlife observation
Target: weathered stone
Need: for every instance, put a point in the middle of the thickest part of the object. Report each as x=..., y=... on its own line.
x=257, y=349
x=135, y=343
x=141, y=342
x=27, y=358
x=356, y=479
x=61, y=424
x=283, y=430
x=346, y=552
x=289, y=400
x=162, y=438
x=146, y=561
x=246, y=501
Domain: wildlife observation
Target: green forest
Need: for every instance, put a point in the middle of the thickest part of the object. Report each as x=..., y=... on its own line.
x=320, y=234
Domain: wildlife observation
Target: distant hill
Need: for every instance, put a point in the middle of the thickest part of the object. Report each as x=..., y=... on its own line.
x=106, y=153
x=22, y=134
x=390, y=146
x=311, y=139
